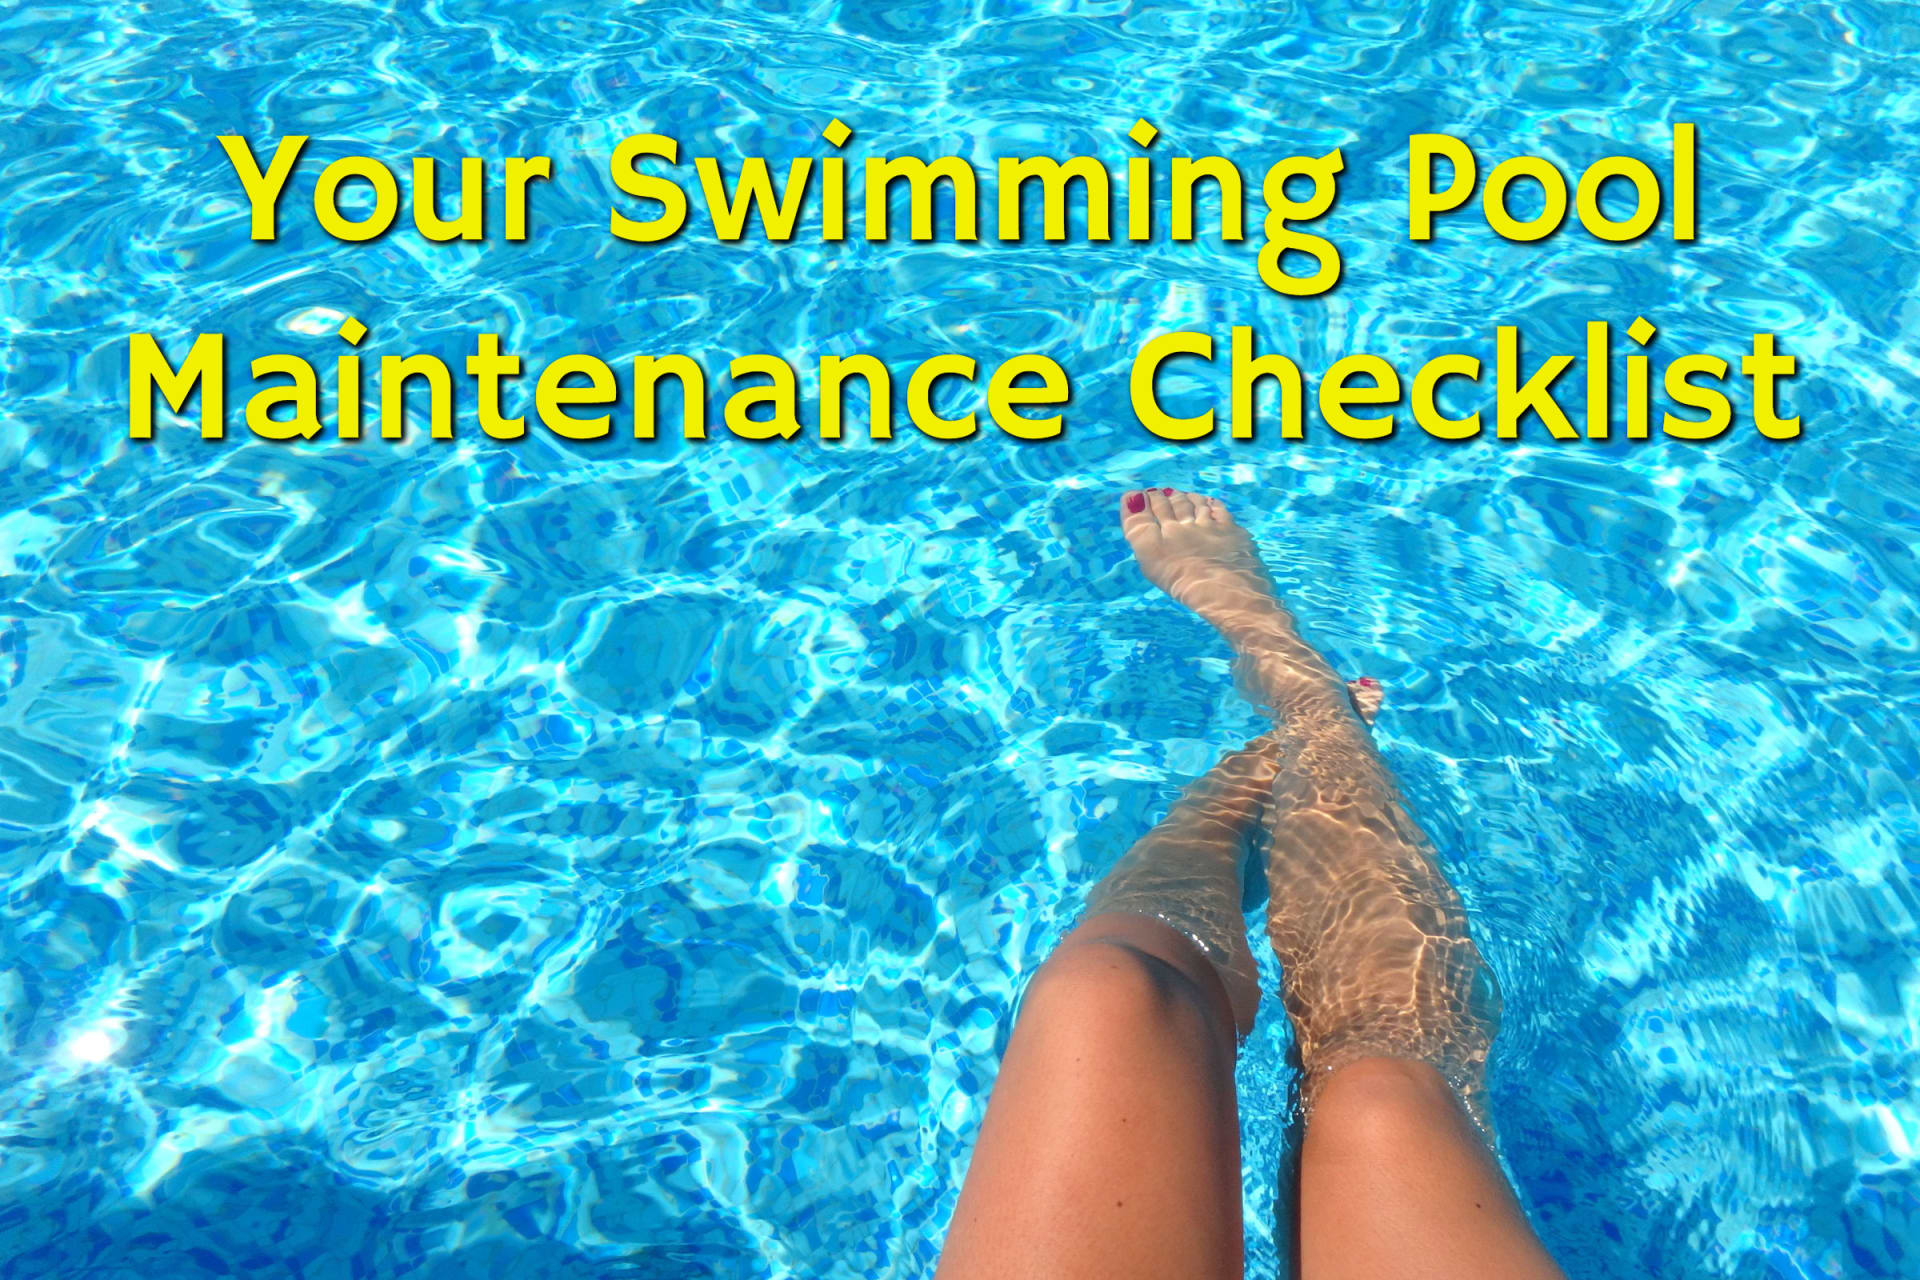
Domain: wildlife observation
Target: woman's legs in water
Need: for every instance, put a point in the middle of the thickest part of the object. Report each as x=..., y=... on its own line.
x=1111, y=1147
x=1391, y=1004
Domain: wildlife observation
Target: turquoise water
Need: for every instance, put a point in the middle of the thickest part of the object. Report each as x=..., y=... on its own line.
x=480, y=860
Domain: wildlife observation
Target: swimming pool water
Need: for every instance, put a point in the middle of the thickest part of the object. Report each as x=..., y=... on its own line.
x=482, y=860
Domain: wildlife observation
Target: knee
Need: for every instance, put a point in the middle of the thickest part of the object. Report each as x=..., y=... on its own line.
x=1383, y=1104
x=1116, y=980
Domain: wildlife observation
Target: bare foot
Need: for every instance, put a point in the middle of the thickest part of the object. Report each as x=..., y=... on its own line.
x=1366, y=694
x=1190, y=547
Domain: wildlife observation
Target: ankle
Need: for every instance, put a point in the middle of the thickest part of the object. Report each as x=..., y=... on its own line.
x=1260, y=627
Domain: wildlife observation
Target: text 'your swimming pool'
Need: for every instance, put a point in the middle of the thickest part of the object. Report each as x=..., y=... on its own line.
x=948, y=199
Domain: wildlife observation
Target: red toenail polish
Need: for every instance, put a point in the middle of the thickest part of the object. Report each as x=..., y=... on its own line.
x=1368, y=681
x=1136, y=503
x=1166, y=493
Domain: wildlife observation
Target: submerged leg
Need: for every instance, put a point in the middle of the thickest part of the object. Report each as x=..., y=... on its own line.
x=1187, y=872
x=1393, y=1007
x=1394, y=1010
x=1111, y=1147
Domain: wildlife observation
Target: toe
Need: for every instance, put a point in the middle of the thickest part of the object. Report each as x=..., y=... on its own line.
x=1217, y=511
x=1160, y=504
x=1367, y=696
x=1185, y=508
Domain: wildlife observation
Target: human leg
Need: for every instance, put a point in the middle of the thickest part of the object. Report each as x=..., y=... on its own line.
x=1393, y=1007
x=1111, y=1145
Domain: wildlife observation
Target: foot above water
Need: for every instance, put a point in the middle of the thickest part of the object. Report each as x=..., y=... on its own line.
x=1190, y=546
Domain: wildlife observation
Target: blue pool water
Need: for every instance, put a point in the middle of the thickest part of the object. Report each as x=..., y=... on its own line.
x=483, y=860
